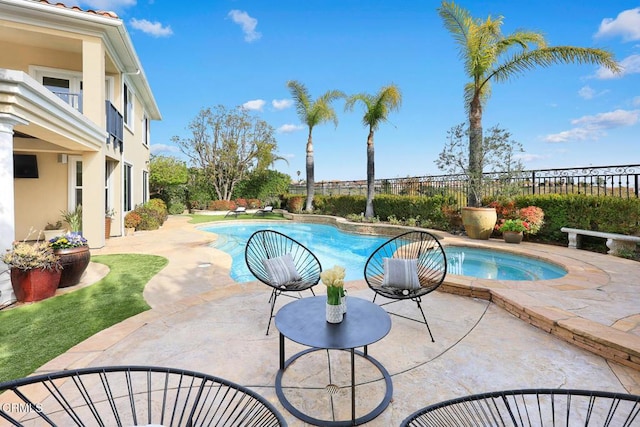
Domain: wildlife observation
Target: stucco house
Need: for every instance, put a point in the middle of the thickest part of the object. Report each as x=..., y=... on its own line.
x=75, y=114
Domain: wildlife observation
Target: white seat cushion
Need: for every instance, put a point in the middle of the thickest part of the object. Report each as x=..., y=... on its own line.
x=401, y=273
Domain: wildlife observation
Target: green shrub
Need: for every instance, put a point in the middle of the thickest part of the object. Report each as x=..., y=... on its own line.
x=148, y=220
x=160, y=209
x=295, y=203
x=176, y=208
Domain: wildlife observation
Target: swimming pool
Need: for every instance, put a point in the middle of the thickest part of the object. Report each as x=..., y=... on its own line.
x=333, y=246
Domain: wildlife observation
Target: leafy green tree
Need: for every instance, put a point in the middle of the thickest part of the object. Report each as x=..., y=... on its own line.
x=165, y=172
x=265, y=185
x=312, y=113
x=227, y=145
x=487, y=56
x=376, y=110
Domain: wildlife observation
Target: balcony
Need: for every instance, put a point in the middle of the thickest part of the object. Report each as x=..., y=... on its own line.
x=115, y=126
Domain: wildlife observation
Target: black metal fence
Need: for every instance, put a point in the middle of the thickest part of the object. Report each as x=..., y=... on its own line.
x=617, y=181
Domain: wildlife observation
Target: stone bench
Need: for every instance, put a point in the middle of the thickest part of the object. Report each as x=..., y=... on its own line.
x=615, y=242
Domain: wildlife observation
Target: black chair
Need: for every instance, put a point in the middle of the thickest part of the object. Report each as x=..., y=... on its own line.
x=133, y=395
x=542, y=407
x=240, y=210
x=281, y=262
x=407, y=267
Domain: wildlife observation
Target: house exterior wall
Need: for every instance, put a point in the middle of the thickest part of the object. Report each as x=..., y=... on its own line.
x=42, y=38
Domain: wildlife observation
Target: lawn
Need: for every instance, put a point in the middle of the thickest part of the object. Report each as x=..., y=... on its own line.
x=34, y=334
x=198, y=219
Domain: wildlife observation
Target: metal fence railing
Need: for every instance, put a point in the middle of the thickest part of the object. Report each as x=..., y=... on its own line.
x=618, y=181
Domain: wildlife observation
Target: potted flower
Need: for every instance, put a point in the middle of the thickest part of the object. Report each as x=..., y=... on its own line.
x=35, y=270
x=131, y=221
x=334, y=280
x=74, y=255
x=53, y=229
x=513, y=229
x=74, y=219
x=108, y=217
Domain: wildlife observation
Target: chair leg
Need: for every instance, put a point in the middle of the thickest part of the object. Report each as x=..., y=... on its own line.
x=417, y=300
x=272, y=300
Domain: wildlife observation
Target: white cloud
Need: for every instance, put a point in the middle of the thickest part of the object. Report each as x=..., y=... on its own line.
x=254, y=105
x=153, y=28
x=247, y=23
x=289, y=128
x=586, y=92
x=593, y=127
x=281, y=104
x=626, y=25
x=608, y=120
x=527, y=157
x=164, y=148
x=629, y=65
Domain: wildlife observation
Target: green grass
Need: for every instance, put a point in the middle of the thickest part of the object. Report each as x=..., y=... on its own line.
x=36, y=333
x=198, y=219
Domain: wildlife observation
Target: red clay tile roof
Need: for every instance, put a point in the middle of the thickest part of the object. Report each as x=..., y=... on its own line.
x=104, y=13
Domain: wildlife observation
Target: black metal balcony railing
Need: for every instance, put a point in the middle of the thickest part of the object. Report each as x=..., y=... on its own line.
x=619, y=181
x=115, y=126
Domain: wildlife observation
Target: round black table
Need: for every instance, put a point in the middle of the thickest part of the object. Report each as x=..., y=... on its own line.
x=304, y=322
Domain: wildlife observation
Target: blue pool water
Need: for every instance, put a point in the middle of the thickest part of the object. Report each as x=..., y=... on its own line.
x=335, y=247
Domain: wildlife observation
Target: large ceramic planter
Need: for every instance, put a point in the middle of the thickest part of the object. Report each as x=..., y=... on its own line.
x=479, y=222
x=107, y=227
x=74, y=262
x=34, y=285
x=512, y=236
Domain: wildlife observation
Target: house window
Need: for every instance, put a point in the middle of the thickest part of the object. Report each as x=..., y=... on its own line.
x=75, y=182
x=108, y=199
x=127, y=188
x=65, y=86
x=128, y=106
x=145, y=186
x=145, y=130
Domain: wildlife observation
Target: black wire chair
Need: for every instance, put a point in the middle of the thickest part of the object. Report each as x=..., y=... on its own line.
x=304, y=271
x=528, y=408
x=133, y=395
x=410, y=282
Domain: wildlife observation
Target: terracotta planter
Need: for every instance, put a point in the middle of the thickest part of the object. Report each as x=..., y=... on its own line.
x=74, y=262
x=479, y=222
x=512, y=236
x=107, y=227
x=34, y=285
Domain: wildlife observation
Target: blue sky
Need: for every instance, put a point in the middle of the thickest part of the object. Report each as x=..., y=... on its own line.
x=242, y=53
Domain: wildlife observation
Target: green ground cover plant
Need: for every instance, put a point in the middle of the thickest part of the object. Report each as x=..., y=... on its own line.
x=36, y=333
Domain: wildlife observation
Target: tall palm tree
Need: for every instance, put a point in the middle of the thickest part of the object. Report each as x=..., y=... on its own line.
x=313, y=113
x=377, y=107
x=485, y=52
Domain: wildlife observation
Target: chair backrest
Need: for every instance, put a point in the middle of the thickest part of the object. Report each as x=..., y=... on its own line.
x=542, y=407
x=269, y=244
x=421, y=246
x=133, y=395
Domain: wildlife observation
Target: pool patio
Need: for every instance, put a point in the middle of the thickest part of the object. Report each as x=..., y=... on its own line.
x=204, y=321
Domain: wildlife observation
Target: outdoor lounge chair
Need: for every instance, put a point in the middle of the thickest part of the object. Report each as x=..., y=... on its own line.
x=282, y=263
x=131, y=396
x=237, y=211
x=542, y=407
x=407, y=267
x=265, y=210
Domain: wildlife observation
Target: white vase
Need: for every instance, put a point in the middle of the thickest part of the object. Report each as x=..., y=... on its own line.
x=334, y=313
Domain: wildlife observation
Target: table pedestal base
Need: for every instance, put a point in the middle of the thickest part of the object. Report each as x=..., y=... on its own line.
x=354, y=421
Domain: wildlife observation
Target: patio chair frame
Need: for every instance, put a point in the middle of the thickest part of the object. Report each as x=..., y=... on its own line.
x=532, y=407
x=264, y=211
x=268, y=244
x=133, y=395
x=431, y=269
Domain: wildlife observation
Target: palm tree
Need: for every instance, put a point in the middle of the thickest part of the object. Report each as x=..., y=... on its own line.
x=377, y=108
x=484, y=49
x=313, y=113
